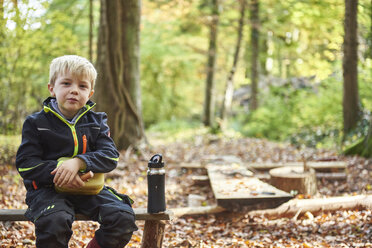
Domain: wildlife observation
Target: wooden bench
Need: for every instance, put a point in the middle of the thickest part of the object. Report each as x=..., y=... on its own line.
x=152, y=235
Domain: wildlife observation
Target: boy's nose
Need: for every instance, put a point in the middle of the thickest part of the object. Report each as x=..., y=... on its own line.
x=74, y=89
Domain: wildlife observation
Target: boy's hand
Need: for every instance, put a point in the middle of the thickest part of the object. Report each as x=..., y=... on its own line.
x=67, y=171
x=79, y=180
x=75, y=183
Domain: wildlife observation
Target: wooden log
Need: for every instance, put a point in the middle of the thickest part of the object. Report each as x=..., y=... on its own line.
x=316, y=206
x=331, y=175
x=192, y=166
x=322, y=166
x=186, y=211
x=153, y=234
x=200, y=180
x=294, y=178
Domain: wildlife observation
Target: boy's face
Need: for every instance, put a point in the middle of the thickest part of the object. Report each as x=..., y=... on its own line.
x=71, y=92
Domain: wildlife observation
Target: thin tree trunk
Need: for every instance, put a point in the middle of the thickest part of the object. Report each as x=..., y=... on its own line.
x=263, y=52
x=118, y=85
x=351, y=107
x=209, y=101
x=255, y=23
x=91, y=22
x=363, y=146
x=226, y=104
x=2, y=14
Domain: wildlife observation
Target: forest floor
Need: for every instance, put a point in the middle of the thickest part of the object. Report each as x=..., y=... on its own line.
x=336, y=229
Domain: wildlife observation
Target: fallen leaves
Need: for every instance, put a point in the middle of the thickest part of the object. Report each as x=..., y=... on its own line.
x=337, y=229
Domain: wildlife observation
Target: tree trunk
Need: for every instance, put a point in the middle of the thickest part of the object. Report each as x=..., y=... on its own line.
x=118, y=85
x=351, y=107
x=255, y=23
x=91, y=21
x=226, y=104
x=2, y=26
x=209, y=101
x=2, y=13
x=363, y=146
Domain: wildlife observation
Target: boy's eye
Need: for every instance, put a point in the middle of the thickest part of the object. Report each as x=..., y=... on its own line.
x=83, y=86
x=66, y=83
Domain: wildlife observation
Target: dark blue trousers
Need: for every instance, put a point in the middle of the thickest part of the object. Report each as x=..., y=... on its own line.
x=53, y=214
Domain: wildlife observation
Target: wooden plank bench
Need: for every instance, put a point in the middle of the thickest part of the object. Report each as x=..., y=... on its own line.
x=153, y=233
x=236, y=188
x=329, y=166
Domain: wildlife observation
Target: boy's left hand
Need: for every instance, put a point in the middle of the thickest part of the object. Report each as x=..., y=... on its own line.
x=80, y=180
x=66, y=172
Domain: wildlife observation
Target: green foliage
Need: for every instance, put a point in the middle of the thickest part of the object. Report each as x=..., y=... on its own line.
x=173, y=130
x=174, y=126
x=171, y=86
x=302, y=116
x=365, y=85
x=359, y=140
x=31, y=37
x=8, y=148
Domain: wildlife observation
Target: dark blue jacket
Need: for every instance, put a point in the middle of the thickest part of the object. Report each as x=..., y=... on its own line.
x=47, y=137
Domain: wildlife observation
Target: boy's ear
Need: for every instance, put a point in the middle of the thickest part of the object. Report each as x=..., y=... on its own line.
x=91, y=93
x=51, y=89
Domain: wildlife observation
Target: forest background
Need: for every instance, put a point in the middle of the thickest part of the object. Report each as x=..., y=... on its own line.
x=300, y=81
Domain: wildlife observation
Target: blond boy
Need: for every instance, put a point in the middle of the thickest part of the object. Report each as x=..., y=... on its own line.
x=59, y=145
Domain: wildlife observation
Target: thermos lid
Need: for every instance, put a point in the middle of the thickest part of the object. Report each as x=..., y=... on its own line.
x=156, y=161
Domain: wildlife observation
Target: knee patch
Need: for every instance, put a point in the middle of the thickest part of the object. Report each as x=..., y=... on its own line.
x=117, y=227
x=53, y=228
x=45, y=208
x=55, y=222
x=118, y=218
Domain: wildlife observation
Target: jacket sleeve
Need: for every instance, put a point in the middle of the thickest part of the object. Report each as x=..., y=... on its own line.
x=29, y=161
x=105, y=157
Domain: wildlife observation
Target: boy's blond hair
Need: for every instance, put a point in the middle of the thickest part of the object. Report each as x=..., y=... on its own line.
x=76, y=65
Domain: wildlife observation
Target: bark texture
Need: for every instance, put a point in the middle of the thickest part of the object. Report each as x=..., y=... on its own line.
x=255, y=25
x=351, y=105
x=91, y=22
x=209, y=100
x=153, y=234
x=118, y=85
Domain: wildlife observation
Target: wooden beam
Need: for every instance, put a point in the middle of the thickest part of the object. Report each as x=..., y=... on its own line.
x=317, y=166
x=187, y=211
x=324, y=166
x=141, y=214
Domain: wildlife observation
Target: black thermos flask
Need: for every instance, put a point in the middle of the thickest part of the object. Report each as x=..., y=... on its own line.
x=156, y=184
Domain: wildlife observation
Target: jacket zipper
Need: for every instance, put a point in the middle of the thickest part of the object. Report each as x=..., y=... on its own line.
x=72, y=127
x=84, y=143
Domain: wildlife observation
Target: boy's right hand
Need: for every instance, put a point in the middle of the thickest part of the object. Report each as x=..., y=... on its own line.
x=67, y=171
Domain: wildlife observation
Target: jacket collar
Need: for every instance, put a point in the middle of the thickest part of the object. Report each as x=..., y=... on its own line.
x=49, y=106
x=47, y=102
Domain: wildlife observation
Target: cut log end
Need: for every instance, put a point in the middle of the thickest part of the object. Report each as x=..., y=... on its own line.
x=294, y=178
